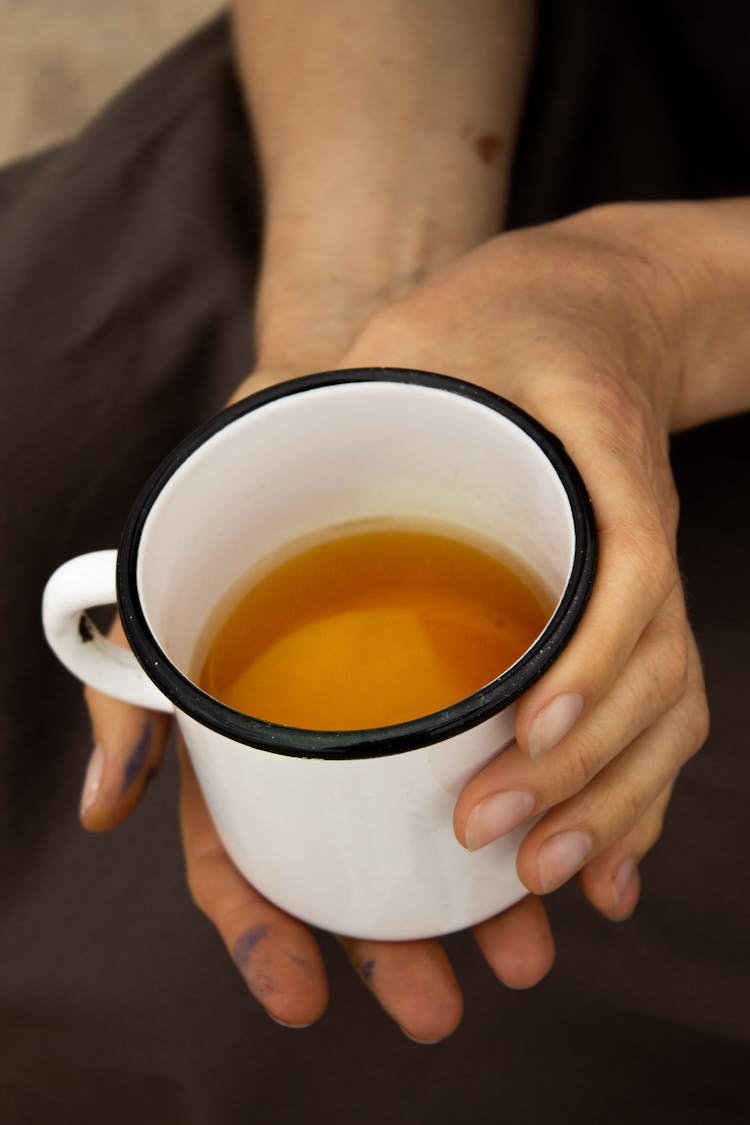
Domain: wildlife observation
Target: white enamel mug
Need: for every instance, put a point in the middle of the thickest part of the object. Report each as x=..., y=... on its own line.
x=350, y=831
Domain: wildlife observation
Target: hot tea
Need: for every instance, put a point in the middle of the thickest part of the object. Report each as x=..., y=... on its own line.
x=368, y=625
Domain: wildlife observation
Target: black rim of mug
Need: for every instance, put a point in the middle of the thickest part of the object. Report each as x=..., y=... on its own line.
x=379, y=741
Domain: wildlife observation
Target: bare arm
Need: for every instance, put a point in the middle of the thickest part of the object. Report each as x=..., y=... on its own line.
x=715, y=238
x=385, y=132
x=691, y=264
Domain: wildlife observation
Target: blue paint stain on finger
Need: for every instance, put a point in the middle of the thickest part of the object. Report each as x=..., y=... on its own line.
x=367, y=968
x=256, y=967
x=136, y=758
x=244, y=946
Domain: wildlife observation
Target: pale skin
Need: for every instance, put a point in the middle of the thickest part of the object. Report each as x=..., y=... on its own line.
x=613, y=327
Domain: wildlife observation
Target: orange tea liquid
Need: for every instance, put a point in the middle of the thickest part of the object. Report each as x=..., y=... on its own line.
x=370, y=627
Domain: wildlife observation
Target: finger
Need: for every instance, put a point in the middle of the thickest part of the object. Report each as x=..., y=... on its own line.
x=128, y=749
x=610, y=807
x=611, y=881
x=414, y=983
x=634, y=502
x=622, y=604
x=518, y=944
x=513, y=786
x=276, y=954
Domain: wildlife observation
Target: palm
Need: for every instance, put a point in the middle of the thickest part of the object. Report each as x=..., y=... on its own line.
x=281, y=963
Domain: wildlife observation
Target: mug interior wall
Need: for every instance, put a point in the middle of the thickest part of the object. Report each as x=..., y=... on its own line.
x=333, y=454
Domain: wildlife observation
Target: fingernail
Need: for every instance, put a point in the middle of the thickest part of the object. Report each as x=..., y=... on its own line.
x=421, y=1042
x=497, y=815
x=93, y=780
x=553, y=722
x=291, y=1026
x=621, y=881
x=561, y=856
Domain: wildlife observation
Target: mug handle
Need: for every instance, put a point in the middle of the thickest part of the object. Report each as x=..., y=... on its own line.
x=76, y=586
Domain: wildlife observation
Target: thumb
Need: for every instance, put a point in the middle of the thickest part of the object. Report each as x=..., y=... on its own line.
x=129, y=741
x=128, y=748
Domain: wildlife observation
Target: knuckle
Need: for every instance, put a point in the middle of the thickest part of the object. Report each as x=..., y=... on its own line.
x=577, y=768
x=619, y=414
x=655, y=818
x=654, y=829
x=624, y=413
x=657, y=563
x=611, y=816
x=650, y=556
x=694, y=721
x=628, y=812
x=668, y=669
x=581, y=381
x=700, y=722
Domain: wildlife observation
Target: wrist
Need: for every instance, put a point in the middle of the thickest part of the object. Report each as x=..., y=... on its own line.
x=688, y=263
x=300, y=328
x=712, y=252
x=638, y=295
x=322, y=278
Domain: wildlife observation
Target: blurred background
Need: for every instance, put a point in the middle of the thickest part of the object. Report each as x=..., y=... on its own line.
x=61, y=60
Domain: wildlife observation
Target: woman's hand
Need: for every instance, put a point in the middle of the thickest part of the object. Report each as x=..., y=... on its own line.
x=579, y=324
x=276, y=954
x=581, y=327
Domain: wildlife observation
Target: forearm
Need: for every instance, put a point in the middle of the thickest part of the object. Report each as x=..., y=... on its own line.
x=715, y=242
x=385, y=132
x=690, y=264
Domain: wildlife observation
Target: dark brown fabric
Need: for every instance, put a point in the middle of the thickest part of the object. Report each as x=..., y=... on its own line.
x=634, y=99
x=126, y=279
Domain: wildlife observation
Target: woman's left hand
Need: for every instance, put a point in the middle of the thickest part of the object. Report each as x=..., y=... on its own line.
x=580, y=325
